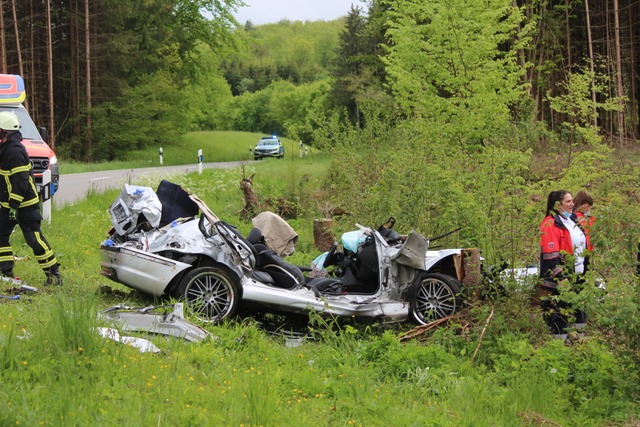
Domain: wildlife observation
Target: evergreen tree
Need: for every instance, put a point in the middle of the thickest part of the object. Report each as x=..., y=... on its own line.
x=358, y=69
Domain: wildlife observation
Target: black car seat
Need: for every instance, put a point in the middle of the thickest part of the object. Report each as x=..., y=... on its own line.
x=285, y=275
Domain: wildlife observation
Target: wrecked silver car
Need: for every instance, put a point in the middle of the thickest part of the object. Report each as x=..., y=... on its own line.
x=168, y=243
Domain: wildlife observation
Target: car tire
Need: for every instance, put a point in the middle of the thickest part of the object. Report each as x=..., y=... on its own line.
x=211, y=294
x=433, y=296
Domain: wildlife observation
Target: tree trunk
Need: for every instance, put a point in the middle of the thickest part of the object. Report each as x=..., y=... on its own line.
x=591, y=64
x=51, y=133
x=3, y=42
x=322, y=236
x=30, y=63
x=619, y=86
x=568, y=35
x=611, y=73
x=635, y=73
x=74, y=65
x=87, y=35
x=469, y=262
x=17, y=35
x=251, y=203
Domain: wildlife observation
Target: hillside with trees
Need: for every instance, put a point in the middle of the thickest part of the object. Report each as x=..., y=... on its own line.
x=90, y=64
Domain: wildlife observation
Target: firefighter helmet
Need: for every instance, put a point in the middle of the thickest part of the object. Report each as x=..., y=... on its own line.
x=9, y=121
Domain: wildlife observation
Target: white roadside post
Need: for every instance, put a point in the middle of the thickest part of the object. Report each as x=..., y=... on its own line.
x=45, y=193
x=160, y=152
x=200, y=159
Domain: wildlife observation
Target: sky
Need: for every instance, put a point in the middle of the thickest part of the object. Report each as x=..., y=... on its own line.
x=270, y=11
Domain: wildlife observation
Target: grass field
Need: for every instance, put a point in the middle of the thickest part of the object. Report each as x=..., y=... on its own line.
x=55, y=370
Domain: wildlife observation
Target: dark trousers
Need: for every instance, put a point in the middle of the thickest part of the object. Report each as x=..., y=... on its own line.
x=554, y=310
x=29, y=220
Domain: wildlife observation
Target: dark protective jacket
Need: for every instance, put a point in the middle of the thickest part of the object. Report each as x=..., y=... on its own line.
x=17, y=187
x=555, y=245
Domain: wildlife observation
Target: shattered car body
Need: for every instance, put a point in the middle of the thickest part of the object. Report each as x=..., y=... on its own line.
x=209, y=265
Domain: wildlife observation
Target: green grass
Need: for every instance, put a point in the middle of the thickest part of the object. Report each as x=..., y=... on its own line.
x=56, y=371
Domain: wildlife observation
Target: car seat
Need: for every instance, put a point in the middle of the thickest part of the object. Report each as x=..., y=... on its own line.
x=285, y=275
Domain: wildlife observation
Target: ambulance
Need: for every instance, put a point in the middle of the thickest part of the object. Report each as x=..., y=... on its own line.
x=12, y=95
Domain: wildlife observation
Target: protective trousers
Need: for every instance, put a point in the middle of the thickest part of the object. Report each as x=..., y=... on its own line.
x=29, y=220
x=556, y=311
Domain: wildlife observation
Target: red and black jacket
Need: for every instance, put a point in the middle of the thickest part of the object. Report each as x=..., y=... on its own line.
x=586, y=222
x=555, y=245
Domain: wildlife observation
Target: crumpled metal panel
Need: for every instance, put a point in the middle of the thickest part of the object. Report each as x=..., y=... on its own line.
x=134, y=201
x=152, y=320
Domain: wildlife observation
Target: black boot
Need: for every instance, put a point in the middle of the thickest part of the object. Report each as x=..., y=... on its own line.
x=53, y=277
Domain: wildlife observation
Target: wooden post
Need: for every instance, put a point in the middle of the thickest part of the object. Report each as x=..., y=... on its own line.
x=251, y=203
x=472, y=280
x=322, y=235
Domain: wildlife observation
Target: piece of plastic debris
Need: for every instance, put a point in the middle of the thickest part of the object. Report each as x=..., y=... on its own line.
x=293, y=342
x=141, y=344
x=28, y=288
x=13, y=280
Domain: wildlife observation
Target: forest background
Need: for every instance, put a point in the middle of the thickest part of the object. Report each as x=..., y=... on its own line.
x=449, y=115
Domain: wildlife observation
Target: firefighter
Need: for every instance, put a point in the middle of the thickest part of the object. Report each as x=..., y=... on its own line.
x=20, y=204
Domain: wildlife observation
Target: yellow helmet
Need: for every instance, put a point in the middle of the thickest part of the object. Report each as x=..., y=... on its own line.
x=9, y=121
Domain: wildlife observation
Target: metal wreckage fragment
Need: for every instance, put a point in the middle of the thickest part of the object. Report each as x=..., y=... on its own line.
x=152, y=319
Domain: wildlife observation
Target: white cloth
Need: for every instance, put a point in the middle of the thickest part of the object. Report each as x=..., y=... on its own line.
x=578, y=241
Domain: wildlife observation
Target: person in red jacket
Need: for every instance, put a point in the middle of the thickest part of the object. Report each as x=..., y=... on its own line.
x=561, y=240
x=582, y=205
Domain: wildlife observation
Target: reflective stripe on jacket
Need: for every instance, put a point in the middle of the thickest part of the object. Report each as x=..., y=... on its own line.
x=17, y=188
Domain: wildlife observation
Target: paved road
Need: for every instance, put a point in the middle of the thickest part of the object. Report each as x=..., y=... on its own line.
x=74, y=187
